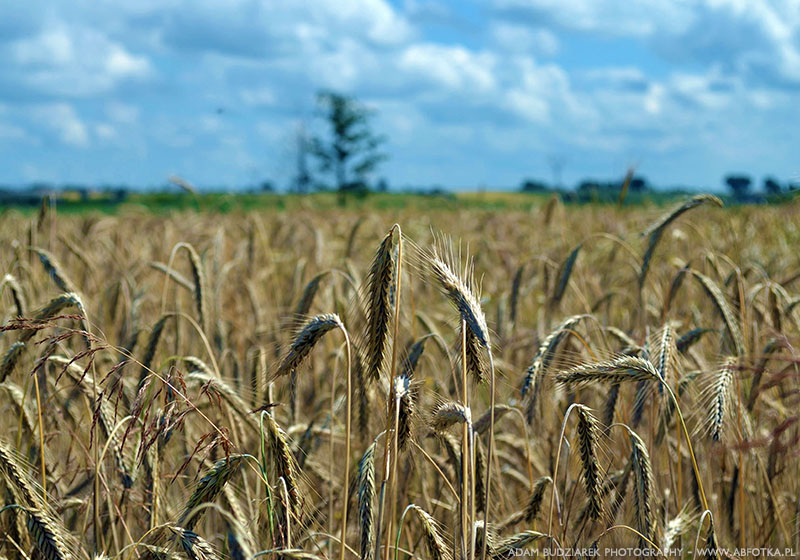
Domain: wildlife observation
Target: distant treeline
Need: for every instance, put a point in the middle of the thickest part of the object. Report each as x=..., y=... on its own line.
x=635, y=188
x=630, y=190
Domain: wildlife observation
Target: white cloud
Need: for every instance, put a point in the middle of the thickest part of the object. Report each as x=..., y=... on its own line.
x=621, y=77
x=760, y=38
x=105, y=131
x=517, y=37
x=343, y=66
x=452, y=67
x=542, y=91
x=120, y=63
x=708, y=91
x=73, y=61
x=654, y=99
x=64, y=120
x=634, y=17
x=258, y=96
x=122, y=113
x=375, y=18
x=52, y=47
x=12, y=132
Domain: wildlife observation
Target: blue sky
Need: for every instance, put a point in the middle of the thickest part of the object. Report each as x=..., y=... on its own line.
x=471, y=94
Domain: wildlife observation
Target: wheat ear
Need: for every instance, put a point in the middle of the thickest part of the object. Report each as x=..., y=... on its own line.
x=308, y=336
x=656, y=230
x=435, y=543
x=532, y=507
x=16, y=293
x=55, y=270
x=564, y=274
x=208, y=488
x=532, y=382
x=643, y=487
x=587, y=438
x=378, y=303
x=716, y=295
x=366, y=500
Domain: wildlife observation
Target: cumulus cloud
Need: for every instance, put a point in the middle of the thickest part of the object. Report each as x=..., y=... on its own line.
x=454, y=68
x=123, y=113
x=64, y=121
x=759, y=38
x=524, y=38
x=255, y=28
x=258, y=96
x=72, y=61
x=10, y=132
x=635, y=17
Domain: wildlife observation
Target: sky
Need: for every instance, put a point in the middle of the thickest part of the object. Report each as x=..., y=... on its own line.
x=470, y=94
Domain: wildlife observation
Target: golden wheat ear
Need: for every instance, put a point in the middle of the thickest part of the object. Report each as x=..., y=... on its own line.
x=459, y=291
x=506, y=547
x=643, y=488
x=618, y=370
x=718, y=298
x=366, y=501
x=533, y=380
x=655, y=231
x=55, y=270
x=16, y=293
x=193, y=545
x=285, y=464
x=208, y=488
x=587, y=445
x=434, y=541
x=448, y=414
x=378, y=303
x=305, y=341
x=48, y=535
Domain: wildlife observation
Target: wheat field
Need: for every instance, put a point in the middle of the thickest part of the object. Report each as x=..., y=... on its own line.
x=305, y=384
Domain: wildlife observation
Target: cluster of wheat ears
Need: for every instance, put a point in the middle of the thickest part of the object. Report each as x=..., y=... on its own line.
x=239, y=386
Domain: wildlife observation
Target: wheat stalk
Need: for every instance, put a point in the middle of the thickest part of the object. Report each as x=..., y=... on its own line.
x=307, y=298
x=690, y=338
x=50, y=310
x=199, y=283
x=481, y=425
